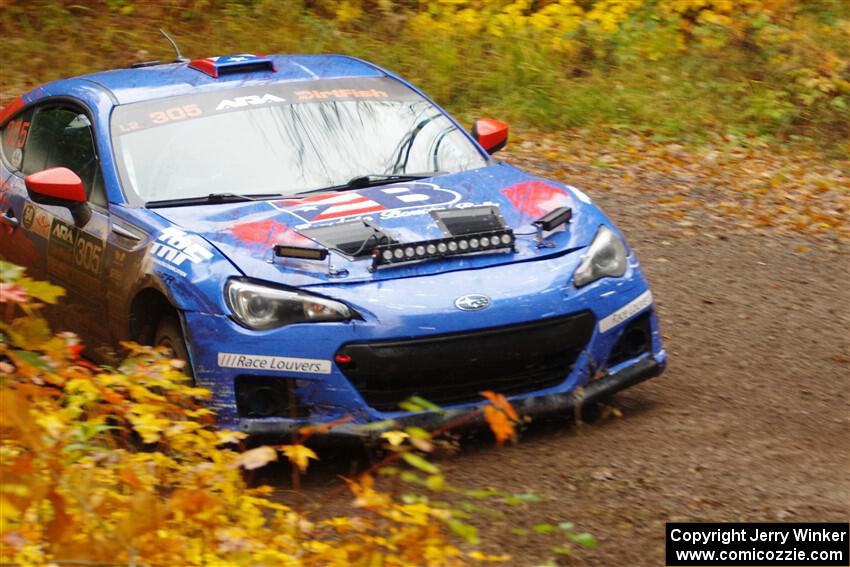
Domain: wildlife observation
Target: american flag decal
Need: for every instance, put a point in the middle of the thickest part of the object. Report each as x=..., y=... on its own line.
x=334, y=206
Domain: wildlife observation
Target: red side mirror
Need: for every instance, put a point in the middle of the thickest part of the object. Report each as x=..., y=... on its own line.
x=492, y=134
x=56, y=186
x=60, y=187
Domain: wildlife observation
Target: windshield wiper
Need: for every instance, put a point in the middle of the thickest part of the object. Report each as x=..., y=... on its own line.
x=372, y=180
x=211, y=199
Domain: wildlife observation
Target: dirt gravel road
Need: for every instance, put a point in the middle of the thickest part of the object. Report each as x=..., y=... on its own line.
x=750, y=422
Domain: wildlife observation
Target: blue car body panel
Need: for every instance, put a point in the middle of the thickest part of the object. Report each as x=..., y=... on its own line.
x=188, y=253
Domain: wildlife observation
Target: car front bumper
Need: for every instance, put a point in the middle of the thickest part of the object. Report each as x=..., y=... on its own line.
x=406, y=320
x=532, y=406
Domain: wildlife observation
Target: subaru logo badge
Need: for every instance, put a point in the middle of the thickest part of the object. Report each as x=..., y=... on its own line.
x=472, y=302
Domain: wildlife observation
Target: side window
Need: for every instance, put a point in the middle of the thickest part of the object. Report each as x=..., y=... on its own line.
x=61, y=137
x=13, y=138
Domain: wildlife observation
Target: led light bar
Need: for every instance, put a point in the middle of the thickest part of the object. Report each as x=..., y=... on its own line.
x=283, y=251
x=553, y=219
x=403, y=252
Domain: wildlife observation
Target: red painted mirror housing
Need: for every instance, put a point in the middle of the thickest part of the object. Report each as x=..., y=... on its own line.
x=59, y=187
x=492, y=134
x=56, y=183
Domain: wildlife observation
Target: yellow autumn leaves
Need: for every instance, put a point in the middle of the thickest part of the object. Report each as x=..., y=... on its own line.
x=782, y=33
x=125, y=466
x=298, y=455
x=558, y=24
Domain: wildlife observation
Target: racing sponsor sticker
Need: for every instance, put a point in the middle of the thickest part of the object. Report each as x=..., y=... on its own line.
x=643, y=301
x=159, y=112
x=5, y=188
x=88, y=253
x=15, y=134
x=73, y=255
x=116, y=265
x=278, y=363
x=173, y=247
x=60, y=251
x=243, y=101
x=386, y=202
x=341, y=93
x=536, y=198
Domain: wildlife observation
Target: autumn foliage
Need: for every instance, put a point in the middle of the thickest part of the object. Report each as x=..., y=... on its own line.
x=107, y=466
x=686, y=68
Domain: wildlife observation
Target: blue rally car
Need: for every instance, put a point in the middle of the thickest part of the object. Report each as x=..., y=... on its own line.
x=317, y=239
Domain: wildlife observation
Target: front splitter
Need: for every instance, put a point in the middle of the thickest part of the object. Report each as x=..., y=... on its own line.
x=595, y=391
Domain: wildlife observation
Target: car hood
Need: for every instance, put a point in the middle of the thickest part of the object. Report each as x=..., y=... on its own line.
x=246, y=232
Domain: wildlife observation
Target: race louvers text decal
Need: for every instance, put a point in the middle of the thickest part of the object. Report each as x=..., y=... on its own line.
x=632, y=308
x=279, y=363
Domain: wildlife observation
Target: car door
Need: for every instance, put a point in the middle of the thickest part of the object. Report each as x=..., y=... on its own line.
x=18, y=245
x=61, y=135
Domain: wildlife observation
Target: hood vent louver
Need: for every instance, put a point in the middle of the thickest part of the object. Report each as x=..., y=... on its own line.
x=354, y=239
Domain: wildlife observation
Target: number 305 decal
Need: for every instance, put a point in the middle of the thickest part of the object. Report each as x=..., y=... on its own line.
x=15, y=135
x=87, y=253
x=176, y=113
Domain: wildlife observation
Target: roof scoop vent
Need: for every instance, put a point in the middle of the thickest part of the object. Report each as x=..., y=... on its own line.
x=215, y=67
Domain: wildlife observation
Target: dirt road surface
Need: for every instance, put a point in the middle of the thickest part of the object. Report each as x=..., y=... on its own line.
x=750, y=422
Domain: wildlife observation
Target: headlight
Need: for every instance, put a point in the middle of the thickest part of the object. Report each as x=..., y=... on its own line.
x=261, y=307
x=605, y=257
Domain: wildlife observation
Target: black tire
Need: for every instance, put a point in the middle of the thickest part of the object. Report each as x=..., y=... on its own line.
x=169, y=334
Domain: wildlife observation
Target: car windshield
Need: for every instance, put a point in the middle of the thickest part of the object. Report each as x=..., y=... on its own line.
x=283, y=139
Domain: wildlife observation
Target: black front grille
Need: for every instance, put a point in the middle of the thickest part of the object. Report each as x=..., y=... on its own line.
x=452, y=369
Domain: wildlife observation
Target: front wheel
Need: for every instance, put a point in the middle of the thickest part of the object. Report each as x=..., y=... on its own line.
x=169, y=334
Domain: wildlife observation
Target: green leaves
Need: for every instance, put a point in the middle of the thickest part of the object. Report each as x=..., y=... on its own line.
x=415, y=403
x=42, y=291
x=544, y=528
x=420, y=463
x=584, y=539
x=467, y=532
x=549, y=531
x=517, y=499
x=10, y=272
x=18, y=288
x=28, y=332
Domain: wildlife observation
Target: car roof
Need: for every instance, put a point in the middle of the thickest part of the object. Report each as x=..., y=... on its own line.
x=174, y=79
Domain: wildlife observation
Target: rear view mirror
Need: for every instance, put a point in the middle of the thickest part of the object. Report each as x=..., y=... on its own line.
x=492, y=134
x=59, y=187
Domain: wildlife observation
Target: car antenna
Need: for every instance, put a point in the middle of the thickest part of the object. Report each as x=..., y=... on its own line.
x=180, y=58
